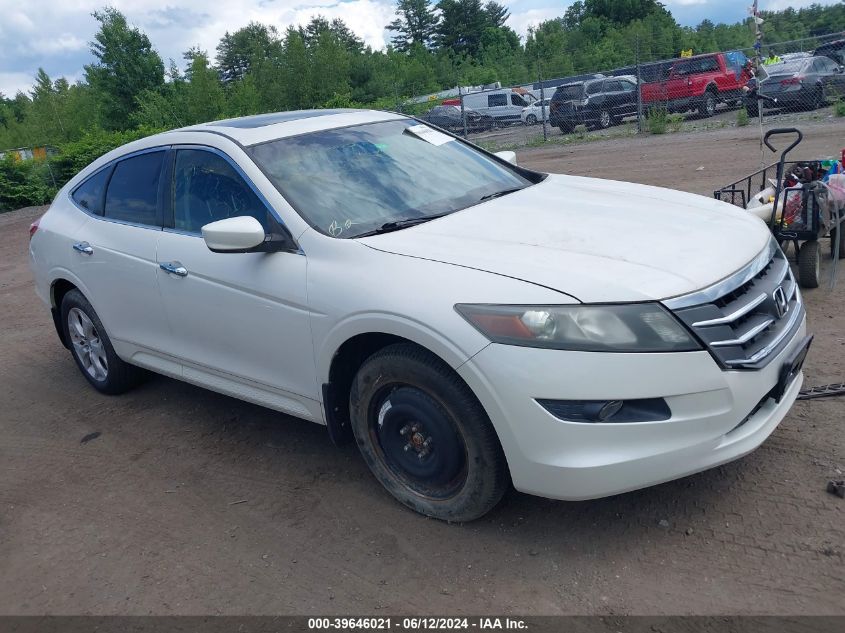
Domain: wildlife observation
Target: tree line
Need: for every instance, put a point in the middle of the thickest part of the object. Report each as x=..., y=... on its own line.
x=129, y=90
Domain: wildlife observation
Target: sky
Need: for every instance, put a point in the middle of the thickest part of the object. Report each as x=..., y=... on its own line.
x=55, y=34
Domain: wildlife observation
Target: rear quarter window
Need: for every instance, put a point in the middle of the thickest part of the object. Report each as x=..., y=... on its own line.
x=132, y=195
x=89, y=195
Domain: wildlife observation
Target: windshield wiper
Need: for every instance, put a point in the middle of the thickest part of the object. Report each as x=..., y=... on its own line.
x=398, y=225
x=499, y=194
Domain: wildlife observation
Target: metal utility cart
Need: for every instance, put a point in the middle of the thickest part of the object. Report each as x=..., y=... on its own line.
x=797, y=213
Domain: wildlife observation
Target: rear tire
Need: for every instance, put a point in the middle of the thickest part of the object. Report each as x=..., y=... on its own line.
x=92, y=350
x=566, y=128
x=425, y=436
x=809, y=264
x=604, y=120
x=708, y=105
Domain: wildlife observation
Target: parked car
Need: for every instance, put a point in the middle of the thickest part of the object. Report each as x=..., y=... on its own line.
x=598, y=104
x=449, y=118
x=803, y=83
x=537, y=111
x=504, y=105
x=835, y=50
x=449, y=311
x=699, y=83
x=790, y=56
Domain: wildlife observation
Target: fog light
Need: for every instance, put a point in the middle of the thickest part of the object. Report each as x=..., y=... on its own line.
x=597, y=411
x=609, y=409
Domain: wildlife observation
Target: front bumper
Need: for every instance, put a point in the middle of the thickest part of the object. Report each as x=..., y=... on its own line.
x=717, y=416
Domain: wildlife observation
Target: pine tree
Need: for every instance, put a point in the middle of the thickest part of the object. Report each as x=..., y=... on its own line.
x=415, y=23
x=126, y=65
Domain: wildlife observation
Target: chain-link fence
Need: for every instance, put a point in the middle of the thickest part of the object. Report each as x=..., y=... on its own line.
x=771, y=82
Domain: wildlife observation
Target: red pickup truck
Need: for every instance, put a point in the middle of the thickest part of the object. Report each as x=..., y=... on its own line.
x=699, y=83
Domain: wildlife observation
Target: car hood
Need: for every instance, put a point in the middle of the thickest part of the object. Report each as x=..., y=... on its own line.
x=595, y=240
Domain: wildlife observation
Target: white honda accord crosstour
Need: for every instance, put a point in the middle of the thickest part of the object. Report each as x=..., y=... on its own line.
x=470, y=323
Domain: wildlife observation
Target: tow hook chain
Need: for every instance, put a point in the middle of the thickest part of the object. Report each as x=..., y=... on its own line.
x=822, y=391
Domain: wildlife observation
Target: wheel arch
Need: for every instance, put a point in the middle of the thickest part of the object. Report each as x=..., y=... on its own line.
x=344, y=355
x=59, y=287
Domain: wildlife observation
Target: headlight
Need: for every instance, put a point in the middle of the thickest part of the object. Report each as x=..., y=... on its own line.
x=632, y=327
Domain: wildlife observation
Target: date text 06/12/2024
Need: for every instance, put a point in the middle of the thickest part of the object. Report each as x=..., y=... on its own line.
x=416, y=624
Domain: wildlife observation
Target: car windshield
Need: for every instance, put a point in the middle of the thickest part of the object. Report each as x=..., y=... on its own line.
x=353, y=180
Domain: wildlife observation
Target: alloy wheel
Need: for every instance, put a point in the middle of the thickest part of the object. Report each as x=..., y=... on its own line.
x=87, y=344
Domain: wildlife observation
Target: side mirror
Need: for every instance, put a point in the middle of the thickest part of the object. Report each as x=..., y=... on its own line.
x=233, y=235
x=508, y=155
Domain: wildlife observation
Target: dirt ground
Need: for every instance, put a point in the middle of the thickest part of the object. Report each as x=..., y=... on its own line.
x=188, y=502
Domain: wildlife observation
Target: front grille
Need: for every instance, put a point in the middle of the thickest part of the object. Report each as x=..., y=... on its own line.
x=746, y=319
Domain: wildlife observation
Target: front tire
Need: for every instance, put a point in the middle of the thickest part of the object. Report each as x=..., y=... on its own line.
x=92, y=350
x=531, y=120
x=425, y=436
x=818, y=98
x=604, y=120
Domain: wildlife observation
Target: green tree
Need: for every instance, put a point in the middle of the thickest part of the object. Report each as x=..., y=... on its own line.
x=497, y=14
x=461, y=25
x=204, y=98
x=126, y=66
x=319, y=25
x=329, y=68
x=297, y=71
x=415, y=23
x=239, y=51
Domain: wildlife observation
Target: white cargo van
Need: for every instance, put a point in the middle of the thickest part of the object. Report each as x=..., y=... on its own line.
x=503, y=105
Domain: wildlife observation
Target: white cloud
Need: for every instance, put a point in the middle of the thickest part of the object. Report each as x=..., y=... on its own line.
x=11, y=83
x=520, y=22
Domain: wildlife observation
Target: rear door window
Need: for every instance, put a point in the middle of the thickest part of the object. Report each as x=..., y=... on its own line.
x=594, y=88
x=825, y=65
x=132, y=195
x=89, y=195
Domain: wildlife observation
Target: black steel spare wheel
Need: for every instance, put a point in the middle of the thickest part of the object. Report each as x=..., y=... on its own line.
x=418, y=441
x=425, y=436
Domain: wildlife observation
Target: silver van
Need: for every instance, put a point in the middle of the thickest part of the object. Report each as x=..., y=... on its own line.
x=504, y=105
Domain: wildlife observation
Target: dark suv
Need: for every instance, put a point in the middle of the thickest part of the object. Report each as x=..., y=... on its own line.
x=835, y=50
x=598, y=103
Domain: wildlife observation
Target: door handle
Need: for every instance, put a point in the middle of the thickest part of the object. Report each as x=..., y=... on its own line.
x=84, y=248
x=174, y=268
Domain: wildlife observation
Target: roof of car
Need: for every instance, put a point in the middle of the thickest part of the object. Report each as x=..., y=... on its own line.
x=259, y=128
x=833, y=44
